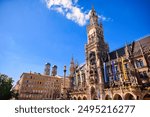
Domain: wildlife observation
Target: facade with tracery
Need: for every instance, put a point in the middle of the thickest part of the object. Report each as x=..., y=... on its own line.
x=123, y=74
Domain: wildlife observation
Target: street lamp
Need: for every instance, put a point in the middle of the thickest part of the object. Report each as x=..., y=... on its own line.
x=64, y=91
x=64, y=75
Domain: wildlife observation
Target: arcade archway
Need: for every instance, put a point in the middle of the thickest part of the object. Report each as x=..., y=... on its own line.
x=84, y=98
x=129, y=96
x=146, y=97
x=75, y=98
x=117, y=97
x=108, y=97
x=79, y=98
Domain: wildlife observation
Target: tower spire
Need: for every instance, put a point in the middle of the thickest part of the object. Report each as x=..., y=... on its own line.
x=93, y=17
x=72, y=66
x=93, y=8
x=72, y=60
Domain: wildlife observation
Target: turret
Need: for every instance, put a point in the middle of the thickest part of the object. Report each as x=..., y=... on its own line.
x=93, y=17
x=54, y=70
x=47, y=69
x=72, y=67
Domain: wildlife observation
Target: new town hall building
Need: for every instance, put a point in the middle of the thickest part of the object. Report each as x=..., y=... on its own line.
x=118, y=75
x=123, y=74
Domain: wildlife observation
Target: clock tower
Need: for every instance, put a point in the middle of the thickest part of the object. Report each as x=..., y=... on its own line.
x=96, y=54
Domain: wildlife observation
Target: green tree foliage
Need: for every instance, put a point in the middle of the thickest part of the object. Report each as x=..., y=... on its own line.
x=6, y=84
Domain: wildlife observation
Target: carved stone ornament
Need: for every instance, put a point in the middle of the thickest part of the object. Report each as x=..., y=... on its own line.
x=104, y=56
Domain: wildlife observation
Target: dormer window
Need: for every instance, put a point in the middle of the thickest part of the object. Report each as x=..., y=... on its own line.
x=139, y=63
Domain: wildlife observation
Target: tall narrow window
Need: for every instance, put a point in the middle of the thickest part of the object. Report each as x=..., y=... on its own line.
x=116, y=68
x=141, y=63
x=126, y=65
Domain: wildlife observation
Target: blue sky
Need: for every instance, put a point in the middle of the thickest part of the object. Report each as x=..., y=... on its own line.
x=33, y=32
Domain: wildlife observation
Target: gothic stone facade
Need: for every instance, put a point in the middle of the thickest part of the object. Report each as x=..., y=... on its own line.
x=123, y=74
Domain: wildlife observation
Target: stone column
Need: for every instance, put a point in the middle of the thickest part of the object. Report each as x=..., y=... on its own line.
x=64, y=88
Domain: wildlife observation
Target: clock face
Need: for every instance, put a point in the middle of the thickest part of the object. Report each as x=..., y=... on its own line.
x=91, y=31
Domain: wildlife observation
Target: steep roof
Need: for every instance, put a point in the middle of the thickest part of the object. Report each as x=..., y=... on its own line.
x=120, y=52
x=134, y=46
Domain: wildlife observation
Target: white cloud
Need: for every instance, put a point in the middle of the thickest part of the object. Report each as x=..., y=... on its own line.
x=59, y=10
x=77, y=16
x=103, y=18
x=70, y=9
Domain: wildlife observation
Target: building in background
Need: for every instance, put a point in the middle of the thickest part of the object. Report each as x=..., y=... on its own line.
x=36, y=86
